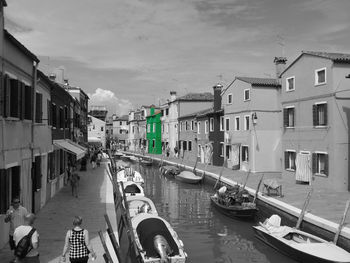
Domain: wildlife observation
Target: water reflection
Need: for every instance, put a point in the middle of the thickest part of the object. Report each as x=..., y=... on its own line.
x=208, y=235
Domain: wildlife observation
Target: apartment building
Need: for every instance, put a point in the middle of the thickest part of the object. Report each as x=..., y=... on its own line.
x=315, y=101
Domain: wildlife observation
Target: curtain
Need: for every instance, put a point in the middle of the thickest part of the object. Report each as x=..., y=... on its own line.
x=303, y=167
x=235, y=154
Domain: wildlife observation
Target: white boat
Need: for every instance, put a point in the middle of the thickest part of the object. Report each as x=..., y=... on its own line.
x=156, y=240
x=129, y=174
x=132, y=189
x=140, y=204
x=133, y=158
x=299, y=245
x=188, y=177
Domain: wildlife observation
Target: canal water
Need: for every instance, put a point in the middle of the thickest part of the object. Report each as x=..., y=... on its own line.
x=208, y=236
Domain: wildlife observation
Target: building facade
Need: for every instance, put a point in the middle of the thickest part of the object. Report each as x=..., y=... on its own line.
x=315, y=101
x=121, y=130
x=96, y=131
x=154, y=132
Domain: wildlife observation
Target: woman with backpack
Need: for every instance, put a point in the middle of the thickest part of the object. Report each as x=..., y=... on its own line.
x=77, y=243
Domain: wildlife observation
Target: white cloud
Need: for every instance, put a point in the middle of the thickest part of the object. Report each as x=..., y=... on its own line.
x=107, y=98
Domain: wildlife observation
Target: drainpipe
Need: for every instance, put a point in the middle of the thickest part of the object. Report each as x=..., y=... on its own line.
x=2, y=72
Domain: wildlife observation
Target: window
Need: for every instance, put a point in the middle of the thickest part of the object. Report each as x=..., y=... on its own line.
x=49, y=112
x=229, y=99
x=120, y=123
x=289, y=117
x=184, y=145
x=186, y=126
x=211, y=124
x=246, y=94
x=5, y=187
x=154, y=127
x=190, y=145
x=320, y=163
x=227, y=124
x=289, y=160
x=222, y=123
x=153, y=143
x=227, y=152
x=192, y=125
x=133, y=129
x=180, y=124
x=199, y=150
x=320, y=76
x=166, y=111
x=246, y=122
x=222, y=149
x=237, y=121
x=290, y=83
x=319, y=112
x=149, y=128
x=54, y=115
x=39, y=108
x=61, y=117
x=120, y=131
x=199, y=128
x=245, y=153
x=206, y=127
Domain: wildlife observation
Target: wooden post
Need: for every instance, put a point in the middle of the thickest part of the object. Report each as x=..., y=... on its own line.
x=206, y=164
x=342, y=222
x=221, y=171
x=257, y=189
x=303, y=211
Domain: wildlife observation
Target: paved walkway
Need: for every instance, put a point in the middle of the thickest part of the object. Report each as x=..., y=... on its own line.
x=56, y=217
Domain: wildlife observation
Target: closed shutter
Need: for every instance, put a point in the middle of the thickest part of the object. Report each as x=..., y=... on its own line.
x=285, y=117
x=286, y=160
x=294, y=155
x=38, y=108
x=314, y=115
x=1, y=94
x=326, y=165
x=49, y=114
x=22, y=100
x=7, y=94
x=314, y=163
x=28, y=103
x=325, y=114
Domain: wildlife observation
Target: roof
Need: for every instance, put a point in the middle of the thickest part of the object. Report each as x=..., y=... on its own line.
x=260, y=81
x=335, y=57
x=14, y=41
x=123, y=118
x=197, y=113
x=206, y=96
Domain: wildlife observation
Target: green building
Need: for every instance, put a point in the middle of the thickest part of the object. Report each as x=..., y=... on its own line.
x=154, y=132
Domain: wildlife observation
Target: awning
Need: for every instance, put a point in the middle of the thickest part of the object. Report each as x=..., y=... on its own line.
x=94, y=139
x=71, y=147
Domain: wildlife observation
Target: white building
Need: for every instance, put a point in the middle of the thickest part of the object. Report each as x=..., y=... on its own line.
x=96, y=131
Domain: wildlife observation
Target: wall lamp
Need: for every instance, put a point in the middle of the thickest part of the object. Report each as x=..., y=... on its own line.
x=254, y=118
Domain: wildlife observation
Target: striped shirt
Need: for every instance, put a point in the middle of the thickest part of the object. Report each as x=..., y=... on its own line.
x=17, y=217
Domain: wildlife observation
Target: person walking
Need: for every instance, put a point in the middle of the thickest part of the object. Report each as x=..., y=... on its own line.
x=77, y=243
x=15, y=216
x=93, y=160
x=74, y=181
x=23, y=230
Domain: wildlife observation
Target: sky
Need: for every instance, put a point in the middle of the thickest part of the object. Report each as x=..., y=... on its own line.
x=128, y=53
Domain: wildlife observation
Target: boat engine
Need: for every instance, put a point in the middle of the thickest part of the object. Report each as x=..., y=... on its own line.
x=162, y=247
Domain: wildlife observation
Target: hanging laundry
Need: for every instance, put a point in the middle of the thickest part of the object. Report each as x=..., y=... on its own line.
x=303, y=171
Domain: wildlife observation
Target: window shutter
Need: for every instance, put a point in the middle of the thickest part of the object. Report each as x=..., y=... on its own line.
x=7, y=93
x=314, y=115
x=314, y=163
x=285, y=117
x=293, y=160
x=293, y=110
x=1, y=94
x=326, y=163
x=22, y=100
x=286, y=160
x=325, y=114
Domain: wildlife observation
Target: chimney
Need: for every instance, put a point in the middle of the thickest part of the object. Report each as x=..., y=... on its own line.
x=66, y=82
x=217, y=97
x=172, y=96
x=280, y=63
x=52, y=77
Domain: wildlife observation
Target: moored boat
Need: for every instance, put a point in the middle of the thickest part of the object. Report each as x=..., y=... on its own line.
x=132, y=189
x=117, y=155
x=235, y=202
x=147, y=162
x=169, y=170
x=299, y=245
x=140, y=204
x=133, y=158
x=188, y=177
x=156, y=240
x=125, y=157
x=129, y=174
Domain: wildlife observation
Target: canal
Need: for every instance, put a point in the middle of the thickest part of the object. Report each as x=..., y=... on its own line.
x=208, y=236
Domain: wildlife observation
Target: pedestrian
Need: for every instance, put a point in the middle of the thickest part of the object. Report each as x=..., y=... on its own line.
x=77, y=243
x=167, y=151
x=74, y=182
x=99, y=158
x=15, y=216
x=23, y=230
x=176, y=151
x=93, y=160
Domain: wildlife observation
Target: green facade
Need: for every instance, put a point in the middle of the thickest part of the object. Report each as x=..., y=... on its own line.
x=154, y=132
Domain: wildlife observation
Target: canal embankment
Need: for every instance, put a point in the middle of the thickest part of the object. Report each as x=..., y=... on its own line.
x=324, y=211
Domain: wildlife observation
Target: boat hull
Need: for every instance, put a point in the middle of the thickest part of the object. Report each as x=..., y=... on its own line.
x=289, y=251
x=188, y=177
x=234, y=211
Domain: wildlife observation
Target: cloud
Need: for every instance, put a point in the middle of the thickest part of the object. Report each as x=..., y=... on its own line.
x=107, y=98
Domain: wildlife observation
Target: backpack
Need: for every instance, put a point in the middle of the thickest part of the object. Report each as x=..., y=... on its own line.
x=24, y=245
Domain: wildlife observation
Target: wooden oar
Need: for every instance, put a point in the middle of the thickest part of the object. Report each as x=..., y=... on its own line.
x=221, y=171
x=183, y=156
x=303, y=211
x=342, y=222
x=257, y=189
